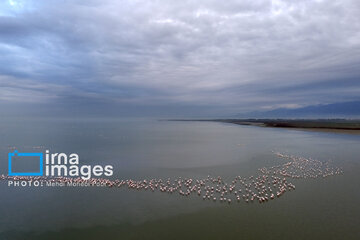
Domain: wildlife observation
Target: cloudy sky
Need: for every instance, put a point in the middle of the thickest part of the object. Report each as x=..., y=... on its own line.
x=177, y=58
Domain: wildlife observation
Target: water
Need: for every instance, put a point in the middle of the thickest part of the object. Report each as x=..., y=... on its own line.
x=317, y=209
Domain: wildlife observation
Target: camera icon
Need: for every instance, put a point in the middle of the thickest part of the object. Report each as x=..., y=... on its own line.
x=15, y=154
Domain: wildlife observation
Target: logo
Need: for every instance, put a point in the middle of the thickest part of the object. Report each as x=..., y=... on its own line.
x=17, y=154
x=58, y=165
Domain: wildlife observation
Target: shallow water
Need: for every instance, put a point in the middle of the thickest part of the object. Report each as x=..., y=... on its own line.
x=317, y=209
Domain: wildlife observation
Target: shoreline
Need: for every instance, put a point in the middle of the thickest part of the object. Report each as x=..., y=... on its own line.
x=318, y=125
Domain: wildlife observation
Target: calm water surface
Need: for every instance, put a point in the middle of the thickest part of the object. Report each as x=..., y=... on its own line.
x=318, y=208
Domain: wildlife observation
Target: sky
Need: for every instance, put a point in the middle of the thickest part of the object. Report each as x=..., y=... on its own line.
x=176, y=58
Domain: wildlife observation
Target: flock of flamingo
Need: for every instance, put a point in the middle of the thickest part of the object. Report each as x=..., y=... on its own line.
x=269, y=184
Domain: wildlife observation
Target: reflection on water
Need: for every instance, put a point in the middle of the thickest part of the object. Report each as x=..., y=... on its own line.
x=152, y=149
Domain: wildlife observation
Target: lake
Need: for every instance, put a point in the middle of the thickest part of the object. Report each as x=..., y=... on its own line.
x=322, y=208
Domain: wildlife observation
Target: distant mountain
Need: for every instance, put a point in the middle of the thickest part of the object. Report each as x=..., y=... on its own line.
x=334, y=110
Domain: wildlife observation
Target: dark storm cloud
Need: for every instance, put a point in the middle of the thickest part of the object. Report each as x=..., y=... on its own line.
x=234, y=55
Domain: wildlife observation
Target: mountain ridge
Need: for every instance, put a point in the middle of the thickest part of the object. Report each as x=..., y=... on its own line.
x=333, y=110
